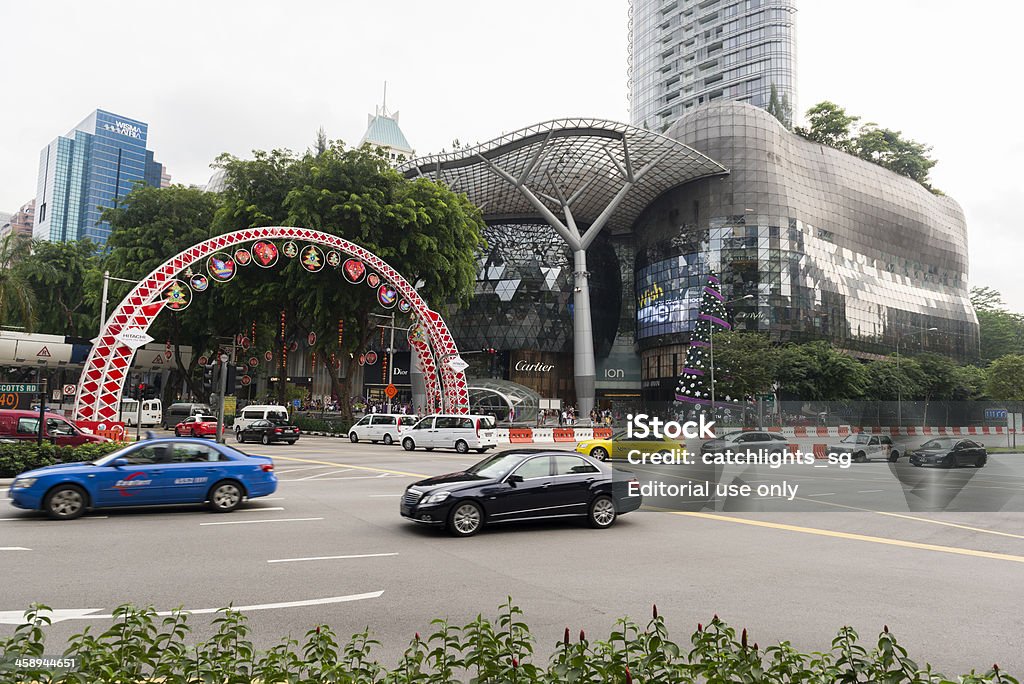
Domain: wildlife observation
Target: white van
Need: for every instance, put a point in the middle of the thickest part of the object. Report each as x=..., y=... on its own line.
x=152, y=412
x=381, y=427
x=447, y=431
x=250, y=414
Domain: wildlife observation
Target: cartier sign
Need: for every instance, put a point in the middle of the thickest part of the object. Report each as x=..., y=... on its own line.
x=525, y=367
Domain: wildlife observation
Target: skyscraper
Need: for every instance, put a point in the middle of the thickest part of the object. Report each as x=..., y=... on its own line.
x=89, y=169
x=683, y=53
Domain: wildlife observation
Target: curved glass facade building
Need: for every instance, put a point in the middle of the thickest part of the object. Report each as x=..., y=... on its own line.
x=826, y=245
x=684, y=53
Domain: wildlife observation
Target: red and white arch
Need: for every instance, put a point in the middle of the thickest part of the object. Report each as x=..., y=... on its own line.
x=106, y=369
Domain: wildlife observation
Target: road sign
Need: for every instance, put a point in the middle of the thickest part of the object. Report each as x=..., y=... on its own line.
x=21, y=388
x=296, y=403
x=390, y=391
x=230, y=405
x=457, y=363
x=56, y=395
x=69, y=390
x=995, y=414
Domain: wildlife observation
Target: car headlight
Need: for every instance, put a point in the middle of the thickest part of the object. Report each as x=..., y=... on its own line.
x=437, y=497
x=25, y=482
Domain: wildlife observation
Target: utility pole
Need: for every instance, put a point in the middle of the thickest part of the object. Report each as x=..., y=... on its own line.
x=391, y=349
x=220, y=399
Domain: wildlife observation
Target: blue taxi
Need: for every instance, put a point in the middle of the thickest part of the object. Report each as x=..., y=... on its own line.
x=147, y=473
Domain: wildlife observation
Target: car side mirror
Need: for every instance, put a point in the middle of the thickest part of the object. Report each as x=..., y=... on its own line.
x=118, y=462
x=514, y=479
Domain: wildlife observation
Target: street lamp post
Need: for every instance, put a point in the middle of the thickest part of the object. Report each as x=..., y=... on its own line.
x=391, y=348
x=899, y=384
x=711, y=339
x=103, y=304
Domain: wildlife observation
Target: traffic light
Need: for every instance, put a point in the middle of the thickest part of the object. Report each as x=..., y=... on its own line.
x=209, y=378
x=233, y=373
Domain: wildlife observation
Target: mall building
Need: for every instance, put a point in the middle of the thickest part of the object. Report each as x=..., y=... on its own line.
x=600, y=235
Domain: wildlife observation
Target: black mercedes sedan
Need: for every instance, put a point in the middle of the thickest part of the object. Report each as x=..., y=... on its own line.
x=950, y=452
x=267, y=431
x=523, y=484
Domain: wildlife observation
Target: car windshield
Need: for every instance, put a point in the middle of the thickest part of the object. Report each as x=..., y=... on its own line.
x=496, y=466
x=111, y=456
x=277, y=416
x=941, y=443
x=855, y=439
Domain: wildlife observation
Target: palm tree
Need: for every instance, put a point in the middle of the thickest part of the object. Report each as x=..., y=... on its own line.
x=17, y=300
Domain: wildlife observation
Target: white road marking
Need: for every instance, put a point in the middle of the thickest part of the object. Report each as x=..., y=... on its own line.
x=16, y=617
x=825, y=494
x=269, y=498
x=260, y=510
x=85, y=517
x=13, y=548
x=248, y=522
x=316, y=558
x=347, y=477
x=313, y=477
x=378, y=496
x=295, y=470
x=870, y=491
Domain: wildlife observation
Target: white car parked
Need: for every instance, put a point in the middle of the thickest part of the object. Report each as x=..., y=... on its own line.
x=459, y=432
x=381, y=427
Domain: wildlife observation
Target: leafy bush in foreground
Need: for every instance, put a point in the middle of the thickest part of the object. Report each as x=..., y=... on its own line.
x=139, y=648
x=17, y=458
x=309, y=424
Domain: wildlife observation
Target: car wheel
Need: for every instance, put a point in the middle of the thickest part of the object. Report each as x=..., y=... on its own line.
x=480, y=451
x=949, y=461
x=860, y=457
x=894, y=456
x=238, y=437
x=225, y=497
x=408, y=444
x=65, y=502
x=917, y=465
x=600, y=453
x=979, y=461
x=461, y=447
x=292, y=441
x=192, y=433
x=429, y=448
x=265, y=440
x=602, y=512
x=352, y=437
x=466, y=519
x=388, y=440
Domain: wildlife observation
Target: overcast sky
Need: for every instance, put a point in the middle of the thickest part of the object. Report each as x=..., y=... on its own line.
x=211, y=77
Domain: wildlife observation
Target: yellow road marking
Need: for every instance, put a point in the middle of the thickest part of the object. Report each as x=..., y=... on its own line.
x=348, y=465
x=856, y=537
x=949, y=524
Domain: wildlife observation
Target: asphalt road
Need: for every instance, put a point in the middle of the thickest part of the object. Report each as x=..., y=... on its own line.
x=331, y=539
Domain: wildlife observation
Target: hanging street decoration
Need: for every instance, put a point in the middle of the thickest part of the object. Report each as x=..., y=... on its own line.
x=694, y=387
x=246, y=380
x=354, y=271
x=333, y=258
x=265, y=253
x=242, y=257
x=341, y=332
x=362, y=359
x=203, y=360
x=404, y=306
x=253, y=361
x=311, y=339
x=199, y=282
x=387, y=296
x=371, y=357
x=177, y=296
x=268, y=356
x=221, y=267
x=290, y=249
x=373, y=280
x=312, y=258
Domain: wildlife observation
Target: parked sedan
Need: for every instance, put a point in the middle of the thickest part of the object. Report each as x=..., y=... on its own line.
x=862, y=447
x=750, y=441
x=267, y=431
x=950, y=452
x=196, y=426
x=527, y=484
x=150, y=472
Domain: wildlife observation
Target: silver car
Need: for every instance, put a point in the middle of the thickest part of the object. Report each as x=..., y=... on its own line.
x=862, y=447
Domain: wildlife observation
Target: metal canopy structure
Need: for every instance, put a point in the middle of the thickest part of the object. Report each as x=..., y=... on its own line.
x=578, y=175
x=585, y=162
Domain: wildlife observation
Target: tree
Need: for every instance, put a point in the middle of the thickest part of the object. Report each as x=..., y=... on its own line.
x=829, y=125
x=149, y=226
x=745, y=364
x=888, y=148
x=421, y=228
x=817, y=372
x=17, y=302
x=780, y=108
x=1006, y=378
x=63, y=277
x=1002, y=332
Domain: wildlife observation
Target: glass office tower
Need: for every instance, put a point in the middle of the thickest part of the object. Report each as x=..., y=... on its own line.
x=687, y=52
x=89, y=169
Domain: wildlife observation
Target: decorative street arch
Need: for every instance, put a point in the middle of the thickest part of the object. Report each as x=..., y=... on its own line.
x=106, y=369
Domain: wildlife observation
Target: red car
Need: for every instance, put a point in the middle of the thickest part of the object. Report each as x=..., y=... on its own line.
x=196, y=426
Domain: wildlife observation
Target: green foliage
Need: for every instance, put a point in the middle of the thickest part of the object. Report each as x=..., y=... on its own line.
x=831, y=125
x=18, y=304
x=140, y=646
x=817, y=372
x=63, y=278
x=22, y=456
x=309, y=424
x=1002, y=332
x=780, y=108
x=745, y=364
x=1006, y=378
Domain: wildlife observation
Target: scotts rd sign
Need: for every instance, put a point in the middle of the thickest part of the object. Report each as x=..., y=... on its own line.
x=133, y=338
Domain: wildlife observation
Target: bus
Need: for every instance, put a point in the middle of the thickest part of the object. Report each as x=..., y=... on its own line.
x=152, y=412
